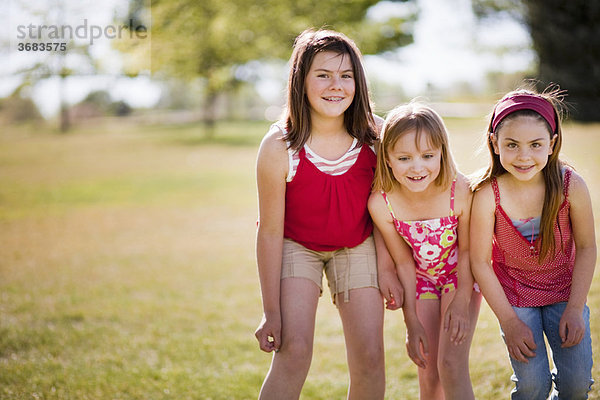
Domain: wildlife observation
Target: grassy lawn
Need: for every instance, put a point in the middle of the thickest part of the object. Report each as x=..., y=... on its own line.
x=127, y=268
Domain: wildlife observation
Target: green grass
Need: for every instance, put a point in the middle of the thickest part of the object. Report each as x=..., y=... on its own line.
x=127, y=268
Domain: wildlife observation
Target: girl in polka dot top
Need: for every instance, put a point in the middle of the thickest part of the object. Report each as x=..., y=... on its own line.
x=533, y=248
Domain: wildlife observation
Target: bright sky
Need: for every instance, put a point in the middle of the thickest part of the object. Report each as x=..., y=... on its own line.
x=447, y=49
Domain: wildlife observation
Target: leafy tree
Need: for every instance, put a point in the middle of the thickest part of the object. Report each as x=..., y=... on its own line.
x=208, y=38
x=101, y=102
x=16, y=109
x=74, y=59
x=566, y=38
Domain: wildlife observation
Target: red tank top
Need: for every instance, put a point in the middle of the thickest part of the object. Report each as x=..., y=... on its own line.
x=525, y=281
x=327, y=212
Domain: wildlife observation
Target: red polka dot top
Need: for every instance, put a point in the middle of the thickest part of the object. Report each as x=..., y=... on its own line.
x=526, y=282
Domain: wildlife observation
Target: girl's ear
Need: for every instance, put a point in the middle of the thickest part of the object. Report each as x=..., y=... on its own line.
x=494, y=140
x=552, y=142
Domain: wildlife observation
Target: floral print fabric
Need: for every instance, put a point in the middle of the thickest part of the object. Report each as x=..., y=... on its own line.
x=435, y=250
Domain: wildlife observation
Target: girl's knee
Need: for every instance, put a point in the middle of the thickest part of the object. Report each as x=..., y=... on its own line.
x=429, y=376
x=535, y=388
x=573, y=380
x=297, y=351
x=453, y=362
x=370, y=358
x=452, y=368
x=573, y=387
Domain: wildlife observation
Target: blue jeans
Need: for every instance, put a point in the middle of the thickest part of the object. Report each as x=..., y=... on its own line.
x=572, y=373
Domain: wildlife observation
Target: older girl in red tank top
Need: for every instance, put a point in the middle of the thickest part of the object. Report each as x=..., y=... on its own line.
x=421, y=206
x=533, y=248
x=314, y=174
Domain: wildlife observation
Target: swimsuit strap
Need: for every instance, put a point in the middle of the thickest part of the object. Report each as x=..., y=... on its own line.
x=567, y=180
x=389, y=205
x=496, y=190
x=452, y=197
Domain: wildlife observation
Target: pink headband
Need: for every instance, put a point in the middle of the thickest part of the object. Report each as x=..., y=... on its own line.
x=524, y=102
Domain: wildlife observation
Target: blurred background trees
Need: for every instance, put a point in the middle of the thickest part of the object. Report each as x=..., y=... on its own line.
x=208, y=39
x=566, y=39
x=211, y=58
x=44, y=65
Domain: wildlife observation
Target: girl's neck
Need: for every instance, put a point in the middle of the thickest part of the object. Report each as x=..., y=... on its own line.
x=417, y=197
x=532, y=183
x=328, y=127
x=329, y=140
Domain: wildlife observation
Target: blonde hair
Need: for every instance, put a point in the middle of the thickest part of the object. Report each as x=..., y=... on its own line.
x=552, y=172
x=423, y=120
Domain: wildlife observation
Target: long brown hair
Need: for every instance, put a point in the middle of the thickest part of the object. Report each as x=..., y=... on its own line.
x=552, y=172
x=423, y=120
x=358, y=118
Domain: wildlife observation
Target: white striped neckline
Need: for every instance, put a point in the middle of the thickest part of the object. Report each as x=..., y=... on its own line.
x=330, y=167
x=317, y=158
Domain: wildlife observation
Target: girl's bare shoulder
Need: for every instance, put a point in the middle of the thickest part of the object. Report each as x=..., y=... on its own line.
x=378, y=208
x=375, y=201
x=577, y=187
x=463, y=195
x=463, y=185
x=273, y=153
x=483, y=197
x=274, y=139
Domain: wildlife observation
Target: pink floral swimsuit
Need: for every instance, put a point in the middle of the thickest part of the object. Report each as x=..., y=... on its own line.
x=435, y=250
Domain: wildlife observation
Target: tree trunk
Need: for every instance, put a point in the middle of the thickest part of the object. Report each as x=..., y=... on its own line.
x=566, y=37
x=65, y=121
x=209, y=117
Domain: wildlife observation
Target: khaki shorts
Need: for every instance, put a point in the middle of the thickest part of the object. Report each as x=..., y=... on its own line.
x=346, y=268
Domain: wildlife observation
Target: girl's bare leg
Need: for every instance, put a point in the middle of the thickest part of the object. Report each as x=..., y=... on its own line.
x=289, y=367
x=430, y=386
x=362, y=319
x=453, y=360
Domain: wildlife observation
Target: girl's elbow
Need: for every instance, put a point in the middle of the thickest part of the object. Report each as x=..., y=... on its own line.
x=269, y=231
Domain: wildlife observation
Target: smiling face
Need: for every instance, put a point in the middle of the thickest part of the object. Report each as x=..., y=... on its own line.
x=330, y=84
x=523, y=145
x=415, y=165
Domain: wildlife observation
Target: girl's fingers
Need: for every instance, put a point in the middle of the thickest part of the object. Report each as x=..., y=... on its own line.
x=418, y=360
x=446, y=322
x=425, y=345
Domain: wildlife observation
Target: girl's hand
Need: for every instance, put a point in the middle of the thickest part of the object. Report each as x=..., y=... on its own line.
x=571, y=327
x=456, y=320
x=268, y=334
x=519, y=339
x=392, y=290
x=416, y=344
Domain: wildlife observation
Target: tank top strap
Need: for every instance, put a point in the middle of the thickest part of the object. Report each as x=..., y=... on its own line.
x=302, y=153
x=567, y=181
x=494, y=184
x=389, y=205
x=452, y=190
x=294, y=158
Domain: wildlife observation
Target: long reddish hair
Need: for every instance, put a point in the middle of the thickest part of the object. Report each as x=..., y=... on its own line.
x=552, y=172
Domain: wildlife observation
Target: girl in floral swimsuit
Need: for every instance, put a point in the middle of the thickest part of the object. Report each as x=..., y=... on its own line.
x=435, y=250
x=421, y=205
